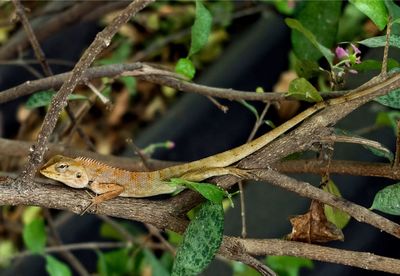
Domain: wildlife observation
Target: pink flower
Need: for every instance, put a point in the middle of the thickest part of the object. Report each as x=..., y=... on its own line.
x=341, y=53
x=347, y=58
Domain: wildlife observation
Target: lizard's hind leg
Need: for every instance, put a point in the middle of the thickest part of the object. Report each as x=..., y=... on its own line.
x=205, y=173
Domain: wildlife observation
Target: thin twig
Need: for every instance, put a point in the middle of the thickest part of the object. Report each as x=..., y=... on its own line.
x=220, y=106
x=253, y=132
x=156, y=233
x=139, y=153
x=397, y=154
x=386, y=49
x=78, y=246
x=355, y=140
x=19, y=8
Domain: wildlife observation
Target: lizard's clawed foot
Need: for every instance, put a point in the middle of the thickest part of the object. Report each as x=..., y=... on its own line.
x=91, y=204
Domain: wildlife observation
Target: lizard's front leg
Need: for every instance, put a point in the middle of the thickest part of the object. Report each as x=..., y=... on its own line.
x=104, y=192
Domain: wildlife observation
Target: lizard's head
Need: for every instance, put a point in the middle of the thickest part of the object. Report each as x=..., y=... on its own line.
x=66, y=170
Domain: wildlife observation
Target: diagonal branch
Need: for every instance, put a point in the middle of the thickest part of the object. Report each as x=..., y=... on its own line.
x=102, y=40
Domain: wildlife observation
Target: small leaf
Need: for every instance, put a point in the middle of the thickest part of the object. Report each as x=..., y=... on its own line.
x=120, y=54
x=156, y=266
x=334, y=215
x=34, y=235
x=185, y=67
x=30, y=213
x=7, y=251
x=380, y=41
x=44, y=98
x=130, y=84
x=301, y=89
x=173, y=237
x=56, y=268
x=380, y=151
x=394, y=12
x=288, y=265
x=296, y=25
x=240, y=269
x=251, y=108
x=201, y=240
x=116, y=262
x=392, y=99
x=371, y=64
x=374, y=9
x=388, y=119
x=387, y=200
x=207, y=190
x=201, y=28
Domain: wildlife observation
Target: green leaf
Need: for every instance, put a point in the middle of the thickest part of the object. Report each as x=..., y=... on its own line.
x=201, y=241
x=394, y=12
x=374, y=9
x=201, y=28
x=223, y=11
x=387, y=200
x=285, y=7
x=56, y=268
x=130, y=84
x=120, y=54
x=30, y=213
x=240, y=269
x=251, y=108
x=174, y=238
x=334, y=215
x=44, y=98
x=156, y=266
x=306, y=68
x=318, y=19
x=34, y=235
x=380, y=41
x=301, y=89
x=185, y=67
x=381, y=152
x=209, y=191
x=7, y=251
x=350, y=24
x=288, y=265
x=392, y=99
x=371, y=64
x=388, y=119
x=116, y=262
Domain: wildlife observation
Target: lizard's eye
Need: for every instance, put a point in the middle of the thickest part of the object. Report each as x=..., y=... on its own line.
x=62, y=167
x=78, y=175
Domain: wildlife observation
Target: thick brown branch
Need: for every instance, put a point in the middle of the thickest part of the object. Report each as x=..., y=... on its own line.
x=340, y=167
x=362, y=260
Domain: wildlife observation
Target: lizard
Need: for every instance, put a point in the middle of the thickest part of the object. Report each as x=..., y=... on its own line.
x=108, y=182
